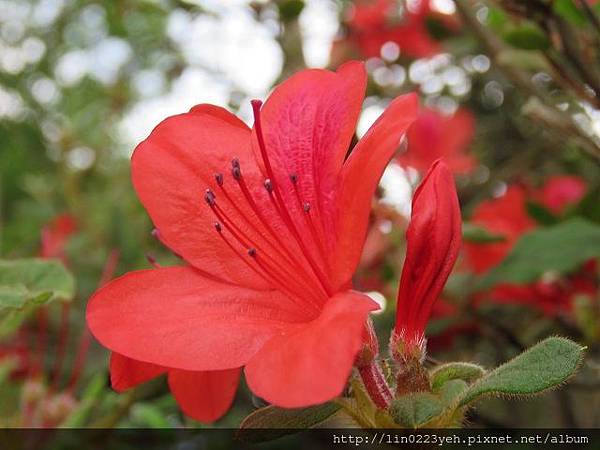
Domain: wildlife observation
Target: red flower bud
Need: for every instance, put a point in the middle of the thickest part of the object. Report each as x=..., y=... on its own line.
x=433, y=242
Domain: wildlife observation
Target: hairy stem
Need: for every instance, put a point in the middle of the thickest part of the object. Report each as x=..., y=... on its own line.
x=375, y=384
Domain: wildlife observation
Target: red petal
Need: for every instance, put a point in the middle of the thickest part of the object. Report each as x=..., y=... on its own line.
x=506, y=216
x=560, y=192
x=204, y=396
x=308, y=123
x=175, y=317
x=171, y=171
x=435, y=136
x=359, y=179
x=311, y=364
x=433, y=241
x=126, y=373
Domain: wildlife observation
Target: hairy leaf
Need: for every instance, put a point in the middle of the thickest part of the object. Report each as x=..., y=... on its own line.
x=272, y=422
x=415, y=409
x=455, y=371
x=542, y=367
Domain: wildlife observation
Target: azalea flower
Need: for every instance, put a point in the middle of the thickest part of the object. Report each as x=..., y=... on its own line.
x=434, y=135
x=271, y=222
x=433, y=242
x=56, y=235
x=507, y=217
x=372, y=23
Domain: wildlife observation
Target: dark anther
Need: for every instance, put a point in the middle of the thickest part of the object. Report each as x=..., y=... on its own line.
x=306, y=207
x=252, y=252
x=294, y=178
x=210, y=198
x=268, y=185
x=236, y=172
x=219, y=178
x=218, y=227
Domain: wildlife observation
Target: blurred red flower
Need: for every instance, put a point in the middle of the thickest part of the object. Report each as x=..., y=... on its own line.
x=372, y=23
x=272, y=222
x=507, y=216
x=55, y=236
x=433, y=241
x=434, y=135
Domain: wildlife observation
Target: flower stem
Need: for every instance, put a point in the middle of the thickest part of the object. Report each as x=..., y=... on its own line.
x=375, y=384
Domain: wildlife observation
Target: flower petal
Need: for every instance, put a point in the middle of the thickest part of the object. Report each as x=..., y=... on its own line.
x=204, y=396
x=308, y=123
x=171, y=171
x=433, y=241
x=311, y=363
x=126, y=373
x=177, y=318
x=359, y=179
x=507, y=216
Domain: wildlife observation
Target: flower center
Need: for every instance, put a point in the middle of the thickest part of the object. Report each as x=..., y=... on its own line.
x=286, y=264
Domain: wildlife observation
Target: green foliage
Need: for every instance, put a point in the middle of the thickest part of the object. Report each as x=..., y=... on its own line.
x=527, y=37
x=561, y=248
x=569, y=11
x=544, y=366
x=477, y=235
x=414, y=410
x=540, y=214
x=33, y=281
x=455, y=371
x=253, y=428
x=92, y=394
x=290, y=9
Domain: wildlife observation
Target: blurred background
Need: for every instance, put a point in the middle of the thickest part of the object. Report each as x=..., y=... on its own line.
x=511, y=99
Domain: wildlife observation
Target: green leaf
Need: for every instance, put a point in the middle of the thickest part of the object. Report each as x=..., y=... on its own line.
x=455, y=371
x=33, y=281
x=149, y=415
x=451, y=391
x=476, y=234
x=544, y=366
x=89, y=399
x=569, y=11
x=272, y=422
x=540, y=214
x=561, y=248
x=415, y=409
x=527, y=37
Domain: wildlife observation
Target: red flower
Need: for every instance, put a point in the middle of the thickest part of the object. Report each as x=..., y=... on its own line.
x=372, y=23
x=55, y=236
x=433, y=136
x=433, y=241
x=272, y=222
x=507, y=216
x=560, y=192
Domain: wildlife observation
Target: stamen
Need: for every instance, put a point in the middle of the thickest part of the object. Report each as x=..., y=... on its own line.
x=268, y=185
x=152, y=260
x=219, y=178
x=277, y=248
x=218, y=227
x=294, y=178
x=306, y=207
x=236, y=172
x=251, y=252
x=209, y=197
x=256, y=104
